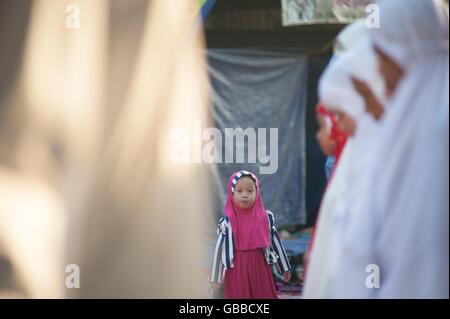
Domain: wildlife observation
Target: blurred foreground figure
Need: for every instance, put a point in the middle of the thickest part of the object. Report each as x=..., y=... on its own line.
x=388, y=222
x=332, y=138
x=409, y=199
x=340, y=205
x=98, y=108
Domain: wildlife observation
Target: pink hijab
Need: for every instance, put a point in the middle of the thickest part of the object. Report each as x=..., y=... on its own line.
x=250, y=227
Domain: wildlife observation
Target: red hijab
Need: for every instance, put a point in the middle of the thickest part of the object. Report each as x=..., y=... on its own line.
x=250, y=227
x=336, y=134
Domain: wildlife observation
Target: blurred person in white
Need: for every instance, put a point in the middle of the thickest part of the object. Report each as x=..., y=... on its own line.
x=341, y=204
x=315, y=275
x=410, y=182
x=105, y=199
x=399, y=220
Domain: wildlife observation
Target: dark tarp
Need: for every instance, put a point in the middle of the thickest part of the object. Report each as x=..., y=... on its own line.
x=255, y=89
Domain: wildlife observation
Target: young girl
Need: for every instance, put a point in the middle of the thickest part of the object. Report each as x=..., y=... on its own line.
x=248, y=244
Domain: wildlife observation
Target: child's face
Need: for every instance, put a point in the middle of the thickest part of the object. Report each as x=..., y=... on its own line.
x=244, y=193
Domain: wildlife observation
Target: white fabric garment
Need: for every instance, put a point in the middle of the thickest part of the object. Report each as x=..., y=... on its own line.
x=336, y=88
x=411, y=180
x=349, y=37
x=346, y=216
x=352, y=220
x=318, y=283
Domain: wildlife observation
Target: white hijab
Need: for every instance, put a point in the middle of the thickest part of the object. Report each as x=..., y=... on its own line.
x=411, y=179
x=352, y=222
x=336, y=91
x=349, y=37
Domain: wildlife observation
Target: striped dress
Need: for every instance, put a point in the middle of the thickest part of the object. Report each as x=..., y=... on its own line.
x=225, y=249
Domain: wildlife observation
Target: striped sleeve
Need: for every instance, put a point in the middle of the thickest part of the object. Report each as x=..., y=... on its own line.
x=269, y=253
x=224, y=250
x=217, y=267
x=283, y=261
x=228, y=248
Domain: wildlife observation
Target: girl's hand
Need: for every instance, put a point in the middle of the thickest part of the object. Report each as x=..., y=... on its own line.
x=287, y=276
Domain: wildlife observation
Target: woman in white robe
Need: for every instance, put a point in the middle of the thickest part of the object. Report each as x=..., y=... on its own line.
x=337, y=92
x=410, y=184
